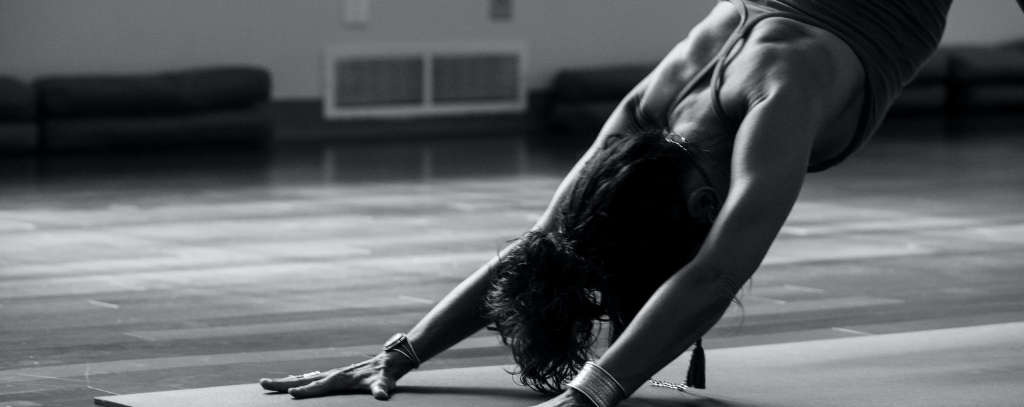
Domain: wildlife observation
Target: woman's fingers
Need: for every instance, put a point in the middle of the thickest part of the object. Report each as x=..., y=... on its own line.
x=370, y=375
x=282, y=385
x=315, y=389
x=334, y=383
x=381, y=388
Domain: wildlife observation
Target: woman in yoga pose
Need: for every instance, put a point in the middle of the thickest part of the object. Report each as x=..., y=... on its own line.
x=677, y=201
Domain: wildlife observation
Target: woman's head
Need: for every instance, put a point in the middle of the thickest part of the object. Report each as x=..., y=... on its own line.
x=637, y=213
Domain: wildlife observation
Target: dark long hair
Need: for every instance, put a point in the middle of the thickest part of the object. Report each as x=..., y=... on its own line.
x=622, y=229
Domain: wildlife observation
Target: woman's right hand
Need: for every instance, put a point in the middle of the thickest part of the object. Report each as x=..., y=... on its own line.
x=377, y=375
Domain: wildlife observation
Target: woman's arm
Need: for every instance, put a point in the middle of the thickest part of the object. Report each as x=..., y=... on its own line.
x=455, y=318
x=772, y=148
x=769, y=162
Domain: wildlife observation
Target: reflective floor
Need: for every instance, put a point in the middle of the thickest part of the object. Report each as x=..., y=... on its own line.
x=343, y=162
x=135, y=272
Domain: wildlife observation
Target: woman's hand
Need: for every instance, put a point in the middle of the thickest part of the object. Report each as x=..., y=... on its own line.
x=377, y=375
x=568, y=398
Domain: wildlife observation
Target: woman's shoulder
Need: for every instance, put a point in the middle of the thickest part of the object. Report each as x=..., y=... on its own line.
x=782, y=43
x=786, y=56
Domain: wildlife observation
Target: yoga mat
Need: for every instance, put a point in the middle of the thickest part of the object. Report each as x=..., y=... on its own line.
x=971, y=366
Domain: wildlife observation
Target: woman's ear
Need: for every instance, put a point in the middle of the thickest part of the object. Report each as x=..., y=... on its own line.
x=704, y=204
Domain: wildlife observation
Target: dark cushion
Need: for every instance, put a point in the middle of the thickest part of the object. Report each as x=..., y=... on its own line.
x=16, y=101
x=992, y=98
x=581, y=118
x=18, y=136
x=988, y=65
x=161, y=94
x=582, y=85
x=252, y=125
x=1017, y=45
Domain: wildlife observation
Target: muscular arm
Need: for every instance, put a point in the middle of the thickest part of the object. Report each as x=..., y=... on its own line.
x=768, y=170
x=456, y=316
x=770, y=157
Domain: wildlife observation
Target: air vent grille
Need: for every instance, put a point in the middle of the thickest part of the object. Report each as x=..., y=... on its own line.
x=418, y=80
x=380, y=81
x=464, y=78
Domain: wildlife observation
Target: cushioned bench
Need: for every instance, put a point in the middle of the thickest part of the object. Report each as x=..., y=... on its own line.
x=18, y=130
x=213, y=105
x=988, y=80
x=581, y=99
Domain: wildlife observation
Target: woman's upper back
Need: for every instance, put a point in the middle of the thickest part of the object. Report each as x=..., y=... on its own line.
x=681, y=92
x=871, y=48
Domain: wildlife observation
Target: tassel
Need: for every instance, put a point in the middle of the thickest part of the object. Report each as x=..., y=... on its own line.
x=695, y=376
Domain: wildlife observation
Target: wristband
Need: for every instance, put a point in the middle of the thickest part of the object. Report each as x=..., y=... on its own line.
x=600, y=387
x=400, y=343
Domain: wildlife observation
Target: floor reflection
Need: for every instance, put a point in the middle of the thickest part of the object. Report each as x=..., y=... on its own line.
x=971, y=158
x=360, y=161
x=425, y=161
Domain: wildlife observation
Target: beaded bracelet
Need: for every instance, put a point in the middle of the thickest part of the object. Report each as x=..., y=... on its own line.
x=600, y=387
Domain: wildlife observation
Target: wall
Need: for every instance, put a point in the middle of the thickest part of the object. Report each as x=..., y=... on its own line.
x=984, y=21
x=87, y=36
x=75, y=36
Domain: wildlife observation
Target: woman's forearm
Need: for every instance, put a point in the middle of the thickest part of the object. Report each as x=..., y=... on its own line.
x=457, y=316
x=679, y=313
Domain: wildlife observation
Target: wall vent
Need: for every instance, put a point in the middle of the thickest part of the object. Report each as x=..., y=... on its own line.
x=408, y=80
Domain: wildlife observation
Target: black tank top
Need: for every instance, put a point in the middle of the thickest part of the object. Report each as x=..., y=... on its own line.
x=892, y=39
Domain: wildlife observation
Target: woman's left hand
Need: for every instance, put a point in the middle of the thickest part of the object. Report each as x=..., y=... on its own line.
x=568, y=398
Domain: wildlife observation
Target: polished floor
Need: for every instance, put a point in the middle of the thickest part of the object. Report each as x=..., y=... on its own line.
x=133, y=272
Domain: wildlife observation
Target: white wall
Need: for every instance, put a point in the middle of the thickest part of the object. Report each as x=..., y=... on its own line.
x=984, y=21
x=287, y=36
x=40, y=37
